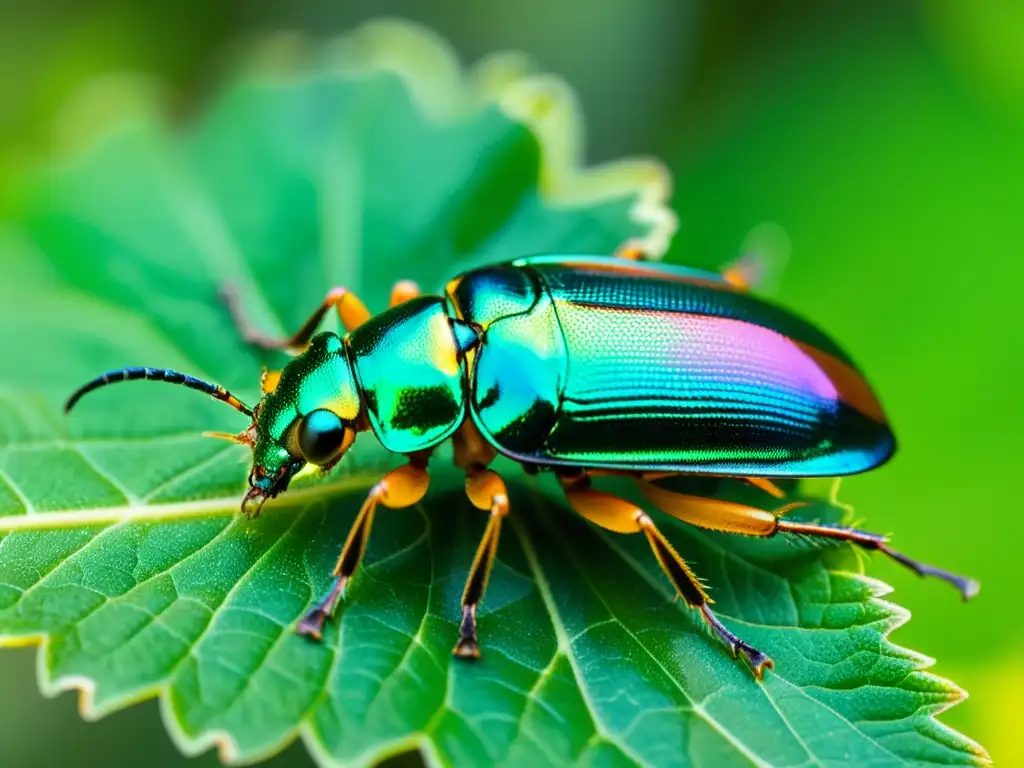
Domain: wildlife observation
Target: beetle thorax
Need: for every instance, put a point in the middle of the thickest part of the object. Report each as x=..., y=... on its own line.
x=411, y=375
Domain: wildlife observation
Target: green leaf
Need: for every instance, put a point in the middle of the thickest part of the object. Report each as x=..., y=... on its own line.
x=360, y=163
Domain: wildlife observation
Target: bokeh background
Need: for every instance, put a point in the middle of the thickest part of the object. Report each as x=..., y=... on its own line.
x=882, y=141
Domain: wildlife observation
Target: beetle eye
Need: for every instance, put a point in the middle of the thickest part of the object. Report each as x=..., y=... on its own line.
x=321, y=436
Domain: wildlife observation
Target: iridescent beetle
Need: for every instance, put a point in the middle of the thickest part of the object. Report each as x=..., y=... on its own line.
x=577, y=364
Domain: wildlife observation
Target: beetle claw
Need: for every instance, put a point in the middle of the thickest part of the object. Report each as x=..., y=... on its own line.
x=467, y=648
x=312, y=624
x=967, y=586
x=253, y=502
x=758, y=661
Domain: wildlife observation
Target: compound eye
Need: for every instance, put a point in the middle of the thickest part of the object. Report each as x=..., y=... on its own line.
x=322, y=437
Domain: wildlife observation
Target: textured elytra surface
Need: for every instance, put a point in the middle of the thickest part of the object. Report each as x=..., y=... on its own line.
x=358, y=164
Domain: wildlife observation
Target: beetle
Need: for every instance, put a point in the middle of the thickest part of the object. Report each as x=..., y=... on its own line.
x=580, y=365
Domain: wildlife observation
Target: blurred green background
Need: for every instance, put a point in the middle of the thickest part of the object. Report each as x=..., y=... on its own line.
x=885, y=139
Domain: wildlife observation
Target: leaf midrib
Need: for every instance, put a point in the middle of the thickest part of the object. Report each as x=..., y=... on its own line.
x=179, y=510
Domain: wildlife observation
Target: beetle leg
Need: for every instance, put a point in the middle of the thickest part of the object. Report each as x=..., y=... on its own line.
x=269, y=381
x=401, y=487
x=351, y=311
x=621, y=516
x=486, y=491
x=402, y=291
x=874, y=541
x=766, y=485
x=730, y=517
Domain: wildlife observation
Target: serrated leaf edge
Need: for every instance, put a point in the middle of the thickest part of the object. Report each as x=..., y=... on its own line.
x=897, y=617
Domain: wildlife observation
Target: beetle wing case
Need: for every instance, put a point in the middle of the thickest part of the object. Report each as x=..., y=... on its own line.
x=602, y=363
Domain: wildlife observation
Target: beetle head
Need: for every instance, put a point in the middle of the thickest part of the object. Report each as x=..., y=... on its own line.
x=308, y=416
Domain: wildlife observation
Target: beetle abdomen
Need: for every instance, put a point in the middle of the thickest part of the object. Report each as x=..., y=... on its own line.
x=691, y=376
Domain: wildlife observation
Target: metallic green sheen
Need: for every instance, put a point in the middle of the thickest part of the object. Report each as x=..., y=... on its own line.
x=490, y=293
x=671, y=288
x=319, y=378
x=519, y=377
x=411, y=375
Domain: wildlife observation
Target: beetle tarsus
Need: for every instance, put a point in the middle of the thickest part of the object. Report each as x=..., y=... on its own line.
x=467, y=647
x=486, y=490
x=967, y=586
x=757, y=660
x=312, y=624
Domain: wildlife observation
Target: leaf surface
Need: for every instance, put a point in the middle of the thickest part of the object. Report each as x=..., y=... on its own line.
x=358, y=164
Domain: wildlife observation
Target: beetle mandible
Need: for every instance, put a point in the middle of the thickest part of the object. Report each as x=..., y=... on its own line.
x=582, y=365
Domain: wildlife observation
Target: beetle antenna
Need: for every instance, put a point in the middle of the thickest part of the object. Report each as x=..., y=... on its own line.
x=158, y=374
